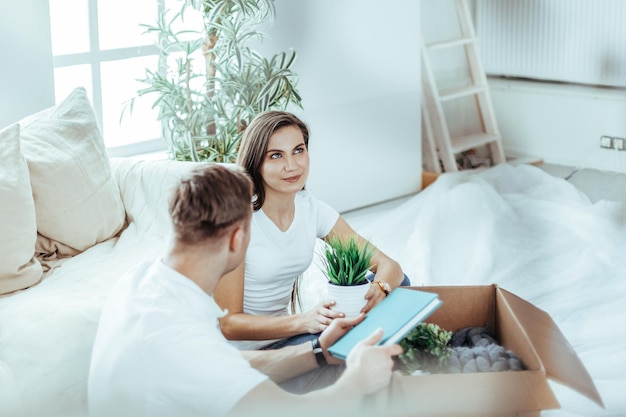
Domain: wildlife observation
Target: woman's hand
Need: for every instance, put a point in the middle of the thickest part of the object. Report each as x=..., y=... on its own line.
x=374, y=296
x=319, y=318
x=385, y=268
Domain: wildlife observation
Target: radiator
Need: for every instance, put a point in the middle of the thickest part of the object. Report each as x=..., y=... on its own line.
x=576, y=41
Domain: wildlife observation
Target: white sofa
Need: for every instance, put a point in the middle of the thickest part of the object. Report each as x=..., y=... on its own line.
x=46, y=332
x=88, y=219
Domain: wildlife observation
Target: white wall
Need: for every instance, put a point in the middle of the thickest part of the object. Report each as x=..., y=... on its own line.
x=26, y=80
x=583, y=43
x=359, y=74
x=561, y=123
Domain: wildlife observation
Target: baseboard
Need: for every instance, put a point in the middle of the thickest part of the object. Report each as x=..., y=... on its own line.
x=428, y=178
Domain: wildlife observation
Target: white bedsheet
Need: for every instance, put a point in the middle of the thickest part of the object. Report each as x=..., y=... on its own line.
x=536, y=236
x=532, y=234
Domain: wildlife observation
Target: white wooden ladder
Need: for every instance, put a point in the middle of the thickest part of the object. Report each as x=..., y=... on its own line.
x=433, y=97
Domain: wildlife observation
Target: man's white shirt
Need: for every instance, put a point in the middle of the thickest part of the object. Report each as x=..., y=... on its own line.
x=159, y=351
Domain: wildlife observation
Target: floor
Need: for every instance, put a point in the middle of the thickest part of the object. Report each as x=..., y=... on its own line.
x=598, y=185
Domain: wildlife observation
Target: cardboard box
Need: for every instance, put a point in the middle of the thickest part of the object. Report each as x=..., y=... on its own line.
x=518, y=326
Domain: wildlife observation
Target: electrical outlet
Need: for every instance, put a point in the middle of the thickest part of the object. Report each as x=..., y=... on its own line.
x=618, y=144
x=606, y=142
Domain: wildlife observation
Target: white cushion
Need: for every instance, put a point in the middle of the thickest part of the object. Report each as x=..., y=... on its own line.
x=146, y=188
x=19, y=268
x=77, y=202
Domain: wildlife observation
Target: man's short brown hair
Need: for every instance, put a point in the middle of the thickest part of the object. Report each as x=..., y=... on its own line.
x=209, y=201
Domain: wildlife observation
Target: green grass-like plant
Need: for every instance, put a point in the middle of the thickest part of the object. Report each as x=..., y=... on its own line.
x=425, y=348
x=345, y=262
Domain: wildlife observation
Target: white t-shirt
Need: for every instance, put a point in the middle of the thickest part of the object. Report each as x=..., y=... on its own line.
x=159, y=351
x=275, y=258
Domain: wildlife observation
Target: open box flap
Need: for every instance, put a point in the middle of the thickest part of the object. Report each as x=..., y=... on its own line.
x=557, y=355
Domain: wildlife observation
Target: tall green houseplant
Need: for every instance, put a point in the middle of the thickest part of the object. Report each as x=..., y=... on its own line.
x=210, y=87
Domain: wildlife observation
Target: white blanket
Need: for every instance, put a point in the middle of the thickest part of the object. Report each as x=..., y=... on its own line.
x=536, y=236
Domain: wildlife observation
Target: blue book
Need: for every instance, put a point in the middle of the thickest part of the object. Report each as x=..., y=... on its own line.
x=399, y=313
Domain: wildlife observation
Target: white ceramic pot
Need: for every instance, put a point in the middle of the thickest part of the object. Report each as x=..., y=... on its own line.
x=349, y=299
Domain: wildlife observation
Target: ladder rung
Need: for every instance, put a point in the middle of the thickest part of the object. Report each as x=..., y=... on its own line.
x=465, y=143
x=451, y=43
x=461, y=92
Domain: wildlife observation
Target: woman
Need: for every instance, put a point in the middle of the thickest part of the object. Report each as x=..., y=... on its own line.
x=285, y=224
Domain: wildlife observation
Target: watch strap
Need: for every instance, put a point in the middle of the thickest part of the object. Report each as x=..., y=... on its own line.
x=319, y=353
x=382, y=287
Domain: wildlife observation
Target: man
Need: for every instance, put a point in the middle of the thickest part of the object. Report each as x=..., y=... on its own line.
x=159, y=350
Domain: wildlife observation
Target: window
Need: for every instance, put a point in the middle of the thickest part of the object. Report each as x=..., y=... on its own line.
x=100, y=45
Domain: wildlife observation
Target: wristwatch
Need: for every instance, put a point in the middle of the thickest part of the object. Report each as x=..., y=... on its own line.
x=384, y=286
x=319, y=352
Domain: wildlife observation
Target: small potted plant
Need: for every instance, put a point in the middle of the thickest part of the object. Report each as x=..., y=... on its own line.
x=346, y=265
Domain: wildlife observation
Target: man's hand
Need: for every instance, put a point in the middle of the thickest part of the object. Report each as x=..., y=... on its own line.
x=337, y=328
x=370, y=365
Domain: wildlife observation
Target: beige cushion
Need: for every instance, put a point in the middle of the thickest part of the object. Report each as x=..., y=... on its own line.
x=18, y=231
x=77, y=202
